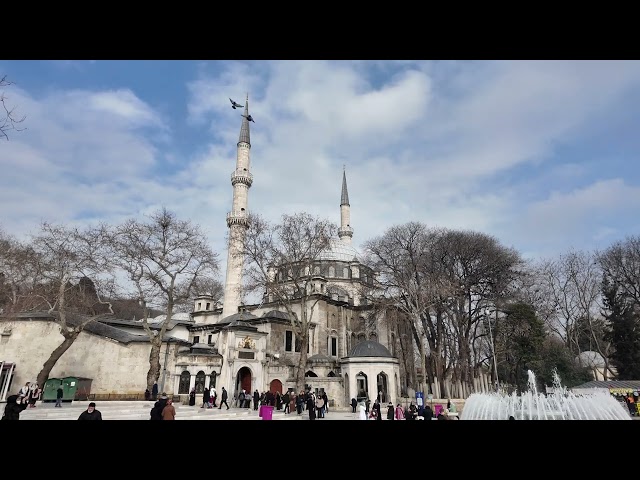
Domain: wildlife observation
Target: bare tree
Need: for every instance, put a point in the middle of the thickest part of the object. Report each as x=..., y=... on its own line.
x=572, y=293
x=280, y=262
x=165, y=260
x=66, y=259
x=409, y=279
x=443, y=280
x=484, y=272
x=209, y=286
x=9, y=119
x=18, y=276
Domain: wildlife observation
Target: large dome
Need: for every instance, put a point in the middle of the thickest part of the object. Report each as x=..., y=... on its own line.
x=340, y=251
x=369, y=348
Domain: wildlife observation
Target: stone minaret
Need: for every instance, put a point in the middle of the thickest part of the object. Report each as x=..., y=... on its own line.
x=237, y=221
x=345, y=232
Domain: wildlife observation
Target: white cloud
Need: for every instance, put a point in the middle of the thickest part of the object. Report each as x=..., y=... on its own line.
x=437, y=142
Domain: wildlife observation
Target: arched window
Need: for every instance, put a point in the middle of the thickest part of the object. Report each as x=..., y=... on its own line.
x=200, y=381
x=316, y=270
x=332, y=271
x=310, y=374
x=345, y=272
x=353, y=341
x=185, y=380
x=212, y=379
x=393, y=344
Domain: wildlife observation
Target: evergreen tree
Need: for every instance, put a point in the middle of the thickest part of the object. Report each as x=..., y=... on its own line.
x=623, y=331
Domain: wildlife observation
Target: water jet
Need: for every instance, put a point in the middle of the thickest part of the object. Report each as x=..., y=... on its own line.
x=562, y=404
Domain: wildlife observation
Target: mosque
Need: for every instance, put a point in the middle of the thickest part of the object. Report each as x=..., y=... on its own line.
x=353, y=352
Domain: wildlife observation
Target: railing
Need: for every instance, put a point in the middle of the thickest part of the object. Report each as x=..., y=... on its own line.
x=243, y=177
x=105, y=397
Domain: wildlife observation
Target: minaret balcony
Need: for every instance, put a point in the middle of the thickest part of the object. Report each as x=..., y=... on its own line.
x=237, y=218
x=242, y=177
x=345, y=232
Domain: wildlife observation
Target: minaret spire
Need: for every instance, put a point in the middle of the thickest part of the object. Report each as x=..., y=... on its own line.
x=345, y=232
x=244, y=129
x=237, y=219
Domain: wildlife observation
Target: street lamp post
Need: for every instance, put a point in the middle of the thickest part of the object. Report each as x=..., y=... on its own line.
x=493, y=350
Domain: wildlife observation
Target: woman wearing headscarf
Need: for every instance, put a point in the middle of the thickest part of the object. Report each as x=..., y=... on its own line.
x=192, y=397
x=12, y=409
x=399, y=412
x=390, y=411
x=363, y=412
x=34, y=394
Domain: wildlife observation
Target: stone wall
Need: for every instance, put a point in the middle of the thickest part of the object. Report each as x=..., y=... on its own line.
x=113, y=366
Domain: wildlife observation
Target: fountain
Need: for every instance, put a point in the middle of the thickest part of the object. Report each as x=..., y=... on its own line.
x=562, y=404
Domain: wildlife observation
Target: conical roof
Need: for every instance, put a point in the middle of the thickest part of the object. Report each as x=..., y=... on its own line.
x=244, y=129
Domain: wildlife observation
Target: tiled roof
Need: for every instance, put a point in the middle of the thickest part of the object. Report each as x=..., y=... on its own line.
x=611, y=384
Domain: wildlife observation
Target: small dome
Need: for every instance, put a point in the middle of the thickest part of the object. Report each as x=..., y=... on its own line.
x=340, y=251
x=591, y=359
x=277, y=314
x=239, y=317
x=369, y=348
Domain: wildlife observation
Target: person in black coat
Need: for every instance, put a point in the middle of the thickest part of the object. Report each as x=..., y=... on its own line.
x=311, y=406
x=91, y=413
x=12, y=409
x=256, y=399
x=390, y=411
x=223, y=399
x=378, y=412
x=59, y=395
x=192, y=397
x=206, y=395
x=154, y=391
x=156, y=411
x=354, y=404
x=428, y=413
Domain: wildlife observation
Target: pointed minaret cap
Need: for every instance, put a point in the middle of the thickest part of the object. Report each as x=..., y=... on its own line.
x=244, y=129
x=345, y=195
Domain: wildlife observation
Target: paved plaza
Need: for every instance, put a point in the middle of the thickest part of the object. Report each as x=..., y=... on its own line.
x=121, y=410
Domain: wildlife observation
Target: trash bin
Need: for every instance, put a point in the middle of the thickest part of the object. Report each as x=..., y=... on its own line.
x=267, y=412
x=73, y=388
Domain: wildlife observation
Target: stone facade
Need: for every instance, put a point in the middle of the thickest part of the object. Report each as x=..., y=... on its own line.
x=114, y=367
x=235, y=346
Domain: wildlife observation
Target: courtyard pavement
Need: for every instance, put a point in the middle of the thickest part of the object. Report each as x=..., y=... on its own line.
x=139, y=410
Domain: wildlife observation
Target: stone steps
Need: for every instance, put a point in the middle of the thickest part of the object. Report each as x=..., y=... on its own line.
x=126, y=411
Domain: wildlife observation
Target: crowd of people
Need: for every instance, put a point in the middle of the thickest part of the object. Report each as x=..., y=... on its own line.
x=367, y=411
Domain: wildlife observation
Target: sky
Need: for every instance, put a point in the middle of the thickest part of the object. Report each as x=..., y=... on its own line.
x=543, y=155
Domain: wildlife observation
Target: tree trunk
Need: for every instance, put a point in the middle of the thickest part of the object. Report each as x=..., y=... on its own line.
x=302, y=365
x=423, y=366
x=69, y=338
x=154, y=362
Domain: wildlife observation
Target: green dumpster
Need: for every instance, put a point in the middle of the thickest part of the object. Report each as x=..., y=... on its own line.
x=73, y=388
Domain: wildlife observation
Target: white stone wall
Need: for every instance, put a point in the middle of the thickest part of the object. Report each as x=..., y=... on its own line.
x=371, y=368
x=114, y=367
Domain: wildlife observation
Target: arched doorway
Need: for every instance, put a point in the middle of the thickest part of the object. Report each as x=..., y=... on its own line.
x=362, y=387
x=185, y=381
x=243, y=380
x=347, y=390
x=200, y=376
x=383, y=387
x=275, y=386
